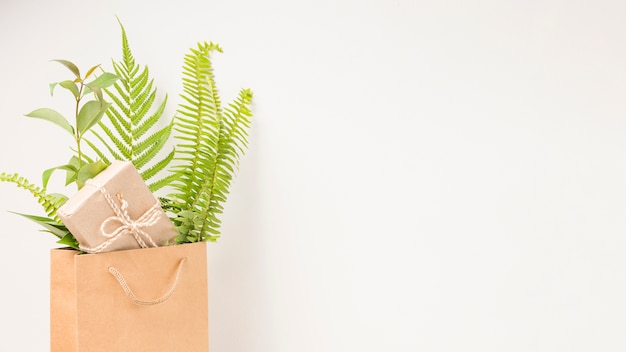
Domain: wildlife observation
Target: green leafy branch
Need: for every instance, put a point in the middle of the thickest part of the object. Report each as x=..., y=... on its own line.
x=87, y=113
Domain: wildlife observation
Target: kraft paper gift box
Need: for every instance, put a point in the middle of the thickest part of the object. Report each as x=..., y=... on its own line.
x=116, y=210
x=141, y=300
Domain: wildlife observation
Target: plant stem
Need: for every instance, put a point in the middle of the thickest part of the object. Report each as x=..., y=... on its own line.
x=77, y=135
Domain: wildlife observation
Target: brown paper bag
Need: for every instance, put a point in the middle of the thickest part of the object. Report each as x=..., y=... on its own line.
x=140, y=300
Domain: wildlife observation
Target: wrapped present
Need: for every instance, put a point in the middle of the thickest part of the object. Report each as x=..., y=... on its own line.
x=115, y=211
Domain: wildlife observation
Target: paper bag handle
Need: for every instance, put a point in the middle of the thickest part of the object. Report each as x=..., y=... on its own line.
x=131, y=295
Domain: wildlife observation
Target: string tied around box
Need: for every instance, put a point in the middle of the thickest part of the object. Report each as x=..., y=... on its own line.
x=127, y=225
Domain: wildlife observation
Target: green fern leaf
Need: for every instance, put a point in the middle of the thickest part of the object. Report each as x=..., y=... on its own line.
x=165, y=181
x=149, y=142
x=146, y=156
x=158, y=167
x=50, y=202
x=145, y=125
x=100, y=154
x=130, y=130
x=211, y=141
x=121, y=153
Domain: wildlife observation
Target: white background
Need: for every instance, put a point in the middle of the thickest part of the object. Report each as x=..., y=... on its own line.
x=422, y=175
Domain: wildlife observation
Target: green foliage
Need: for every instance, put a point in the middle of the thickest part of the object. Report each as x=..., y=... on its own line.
x=54, y=227
x=130, y=134
x=211, y=141
x=49, y=202
x=87, y=113
x=52, y=116
x=69, y=240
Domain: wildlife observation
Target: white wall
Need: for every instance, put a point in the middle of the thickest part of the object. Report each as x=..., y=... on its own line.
x=423, y=175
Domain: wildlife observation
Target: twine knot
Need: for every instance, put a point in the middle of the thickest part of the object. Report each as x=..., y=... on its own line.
x=123, y=223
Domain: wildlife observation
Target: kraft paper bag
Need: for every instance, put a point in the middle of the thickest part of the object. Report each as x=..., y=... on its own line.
x=140, y=300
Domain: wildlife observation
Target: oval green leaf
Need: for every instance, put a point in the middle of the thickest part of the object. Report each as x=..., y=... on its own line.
x=70, y=66
x=71, y=86
x=97, y=91
x=104, y=80
x=52, y=116
x=91, y=71
x=45, y=177
x=90, y=114
x=70, y=176
x=90, y=171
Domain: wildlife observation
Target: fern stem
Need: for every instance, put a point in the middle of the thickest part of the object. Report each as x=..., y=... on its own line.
x=210, y=181
x=199, y=114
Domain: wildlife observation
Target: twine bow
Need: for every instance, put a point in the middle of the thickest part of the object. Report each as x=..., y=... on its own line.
x=127, y=225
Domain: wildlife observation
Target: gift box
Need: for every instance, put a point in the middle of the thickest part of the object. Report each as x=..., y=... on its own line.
x=116, y=210
x=153, y=299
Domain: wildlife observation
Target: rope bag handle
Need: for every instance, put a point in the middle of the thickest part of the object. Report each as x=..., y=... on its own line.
x=120, y=279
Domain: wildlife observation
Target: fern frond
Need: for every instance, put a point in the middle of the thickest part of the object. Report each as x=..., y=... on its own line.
x=211, y=141
x=236, y=125
x=145, y=157
x=97, y=150
x=149, y=142
x=121, y=153
x=158, y=167
x=50, y=202
x=120, y=125
x=198, y=84
x=166, y=181
x=130, y=130
x=145, y=125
